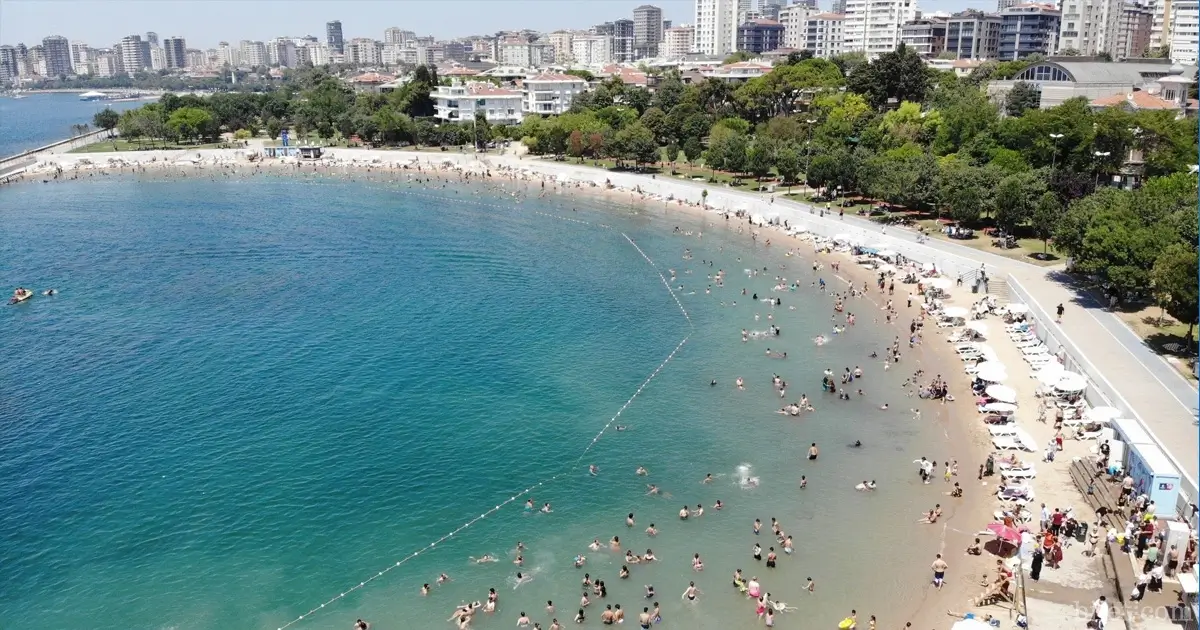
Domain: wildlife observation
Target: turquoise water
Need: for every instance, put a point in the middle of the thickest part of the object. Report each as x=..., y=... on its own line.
x=252, y=395
x=40, y=119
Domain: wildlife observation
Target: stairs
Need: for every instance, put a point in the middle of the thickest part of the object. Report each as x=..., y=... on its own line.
x=998, y=287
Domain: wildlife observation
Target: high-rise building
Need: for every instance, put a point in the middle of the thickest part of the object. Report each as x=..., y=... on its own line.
x=592, y=50
x=158, y=58
x=392, y=35
x=364, y=51
x=1185, y=32
x=226, y=54
x=135, y=54
x=873, y=26
x=80, y=53
x=1133, y=30
x=678, y=41
x=623, y=37
x=925, y=36
x=282, y=52
x=823, y=34
x=254, y=53
x=1027, y=29
x=560, y=41
x=1089, y=26
x=716, y=26
x=647, y=31
x=760, y=36
x=196, y=58
x=333, y=36
x=839, y=6
x=152, y=38
x=793, y=18
x=8, y=65
x=56, y=50
x=973, y=34
x=176, y=50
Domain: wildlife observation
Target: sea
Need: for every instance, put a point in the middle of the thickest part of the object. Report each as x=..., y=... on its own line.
x=37, y=120
x=289, y=402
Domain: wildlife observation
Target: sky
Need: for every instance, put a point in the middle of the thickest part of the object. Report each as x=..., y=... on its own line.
x=203, y=23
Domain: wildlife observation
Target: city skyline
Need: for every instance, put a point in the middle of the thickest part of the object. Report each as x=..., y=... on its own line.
x=95, y=23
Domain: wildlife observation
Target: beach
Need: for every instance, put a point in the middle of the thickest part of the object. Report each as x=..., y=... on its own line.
x=907, y=596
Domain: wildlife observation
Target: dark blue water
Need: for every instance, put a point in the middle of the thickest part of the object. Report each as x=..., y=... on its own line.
x=41, y=119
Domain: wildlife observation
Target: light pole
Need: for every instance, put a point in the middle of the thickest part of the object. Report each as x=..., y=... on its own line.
x=807, y=150
x=1099, y=156
x=1054, y=156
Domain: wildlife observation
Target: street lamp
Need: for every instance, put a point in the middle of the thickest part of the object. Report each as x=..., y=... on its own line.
x=1054, y=157
x=1099, y=156
x=807, y=149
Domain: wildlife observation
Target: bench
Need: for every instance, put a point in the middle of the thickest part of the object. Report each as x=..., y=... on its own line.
x=1099, y=493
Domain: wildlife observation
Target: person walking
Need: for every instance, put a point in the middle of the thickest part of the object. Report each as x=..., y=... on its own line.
x=1060, y=310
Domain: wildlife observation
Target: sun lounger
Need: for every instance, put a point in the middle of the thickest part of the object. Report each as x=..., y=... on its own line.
x=1028, y=472
x=1022, y=494
x=1034, y=349
x=1002, y=429
x=948, y=323
x=1039, y=360
x=1027, y=343
x=1006, y=443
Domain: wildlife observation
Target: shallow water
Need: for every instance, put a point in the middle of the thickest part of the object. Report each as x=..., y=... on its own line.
x=252, y=395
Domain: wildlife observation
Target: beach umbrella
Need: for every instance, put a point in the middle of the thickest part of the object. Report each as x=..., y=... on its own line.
x=1050, y=374
x=1000, y=407
x=1018, y=309
x=991, y=372
x=1071, y=382
x=978, y=326
x=971, y=623
x=841, y=237
x=886, y=268
x=1102, y=414
x=1002, y=393
x=1004, y=532
x=941, y=283
x=953, y=312
x=885, y=253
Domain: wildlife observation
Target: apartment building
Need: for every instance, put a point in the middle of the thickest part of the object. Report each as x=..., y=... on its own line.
x=1089, y=26
x=56, y=50
x=560, y=42
x=1028, y=29
x=333, y=37
x=925, y=36
x=793, y=19
x=364, y=51
x=760, y=36
x=1133, y=31
x=678, y=41
x=973, y=34
x=873, y=26
x=647, y=31
x=462, y=101
x=823, y=34
x=716, y=27
x=592, y=50
x=550, y=94
x=175, y=49
x=1185, y=31
x=254, y=53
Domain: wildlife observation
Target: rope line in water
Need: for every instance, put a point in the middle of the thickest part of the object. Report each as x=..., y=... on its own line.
x=539, y=484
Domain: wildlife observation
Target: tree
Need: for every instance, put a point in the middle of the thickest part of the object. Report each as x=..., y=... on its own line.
x=734, y=154
x=192, y=123
x=759, y=158
x=1023, y=96
x=787, y=164
x=673, y=153
x=1015, y=197
x=274, y=128
x=106, y=119
x=1174, y=279
x=1046, y=214
x=656, y=121
x=692, y=150
x=575, y=144
x=637, y=144
x=242, y=134
x=900, y=75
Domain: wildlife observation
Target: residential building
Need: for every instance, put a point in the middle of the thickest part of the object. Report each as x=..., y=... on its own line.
x=759, y=36
x=254, y=53
x=282, y=52
x=158, y=58
x=715, y=27
x=152, y=38
x=333, y=37
x=838, y=6
x=973, y=34
x=37, y=61
x=550, y=94
x=823, y=34
x=57, y=52
x=769, y=9
x=364, y=51
x=1160, y=27
x=1062, y=78
x=873, y=26
x=678, y=41
x=135, y=54
x=226, y=54
x=316, y=54
x=175, y=49
x=80, y=54
x=793, y=19
x=1133, y=30
x=622, y=32
x=647, y=31
x=1089, y=26
x=1028, y=29
x=925, y=36
x=1001, y=5
x=591, y=50
x=8, y=65
x=462, y=101
x=667, y=24
x=398, y=36
x=1185, y=31
x=739, y=72
x=107, y=63
x=196, y=58
x=560, y=42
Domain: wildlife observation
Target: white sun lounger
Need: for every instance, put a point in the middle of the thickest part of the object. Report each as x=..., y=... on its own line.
x=1000, y=430
x=1028, y=472
x=1017, y=497
x=1035, y=349
x=1006, y=443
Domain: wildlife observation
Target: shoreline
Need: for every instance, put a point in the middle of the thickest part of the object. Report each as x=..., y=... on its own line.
x=931, y=611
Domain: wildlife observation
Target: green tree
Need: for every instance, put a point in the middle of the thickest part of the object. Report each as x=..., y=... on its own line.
x=692, y=150
x=274, y=128
x=759, y=158
x=637, y=144
x=674, y=153
x=1015, y=197
x=1045, y=217
x=1174, y=279
x=106, y=119
x=900, y=75
x=656, y=121
x=1022, y=97
x=787, y=164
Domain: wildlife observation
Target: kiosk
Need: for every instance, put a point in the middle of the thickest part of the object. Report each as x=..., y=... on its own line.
x=1155, y=476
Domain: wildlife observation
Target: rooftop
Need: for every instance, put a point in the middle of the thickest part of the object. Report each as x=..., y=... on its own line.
x=1139, y=100
x=548, y=76
x=372, y=77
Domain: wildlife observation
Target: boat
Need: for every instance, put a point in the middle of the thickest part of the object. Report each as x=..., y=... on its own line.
x=20, y=295
x=93, y=96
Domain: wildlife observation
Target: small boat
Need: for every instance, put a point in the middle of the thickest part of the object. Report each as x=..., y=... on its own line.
x=20, y=295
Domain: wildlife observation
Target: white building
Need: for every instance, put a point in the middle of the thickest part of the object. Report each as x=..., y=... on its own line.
x=364, y=51
x=1185, y=29
x=282, y=52
x=678, y=41
x=647, y=31
x=105, y=64
x=794, y=19
x=823, y=34
x=873, y=26
x=316, y=54
x=227, y=54
x=551, y=93
x=561, y=42
x=462, y=101
x=1090, y=26
x=158, y=58
x=253, y=53
x=80, y=53
x=591, y=50
x=716, y=26
x=401, y=37
x=739, y=72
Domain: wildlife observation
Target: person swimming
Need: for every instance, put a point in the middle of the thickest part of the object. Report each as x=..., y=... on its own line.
x=856, y=444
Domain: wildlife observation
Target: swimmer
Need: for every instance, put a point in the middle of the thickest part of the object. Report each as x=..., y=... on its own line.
x=629, y=520
x=707, y=478
x=856, y=444
x=595, y=544
x=521, y=579
x=424, y=589
x=651, y=531
x=443, y=578
x=699, y=511
x=487, y=557
x=546, y=509
x=718, y=505
x=593, y=469
x=691, y=592
x=883, y=407
x=580, y=560
x=642, y=472
x=713, y=383
x=653, y=489
x=683, y=513
x=813, y=452
x=649, y=556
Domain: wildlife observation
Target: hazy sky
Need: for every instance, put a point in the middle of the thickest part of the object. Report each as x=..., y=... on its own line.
x=203, y=23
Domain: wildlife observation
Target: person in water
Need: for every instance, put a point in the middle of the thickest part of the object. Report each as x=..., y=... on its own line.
x=856, y=444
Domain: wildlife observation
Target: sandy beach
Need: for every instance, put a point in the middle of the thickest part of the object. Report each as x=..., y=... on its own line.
x=965, y=435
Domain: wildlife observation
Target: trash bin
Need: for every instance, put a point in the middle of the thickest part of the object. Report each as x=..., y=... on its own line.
x=975, y=287
x=1081, y=531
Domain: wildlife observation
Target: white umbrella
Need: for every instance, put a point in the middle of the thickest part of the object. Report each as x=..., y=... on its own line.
x=1002, y=393
x=1050, y=374
x=1018, y=308
x=1071, y=382
x=841, y=237
x=971, y=624
x=941, y=283
x=991, y=372
x=886, y=268
x=999, y=407
x=1102, y=414
x=1025, y=440
x=885, y=253
x=953, y=312
x=978, y=326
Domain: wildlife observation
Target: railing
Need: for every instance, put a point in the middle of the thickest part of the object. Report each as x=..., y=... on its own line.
x=88, y=138
x=1100, y=391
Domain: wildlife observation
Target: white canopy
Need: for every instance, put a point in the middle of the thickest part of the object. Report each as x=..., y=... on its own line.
x=954, y=311
x=885, y=253
x=991, y=372
x=978, y=326
x=1026, y=441
x=886, y=268
x=1002, y=393
x=1000, y=408
x=941, y=283
x=1071, y=382
x=757, y=219
x=1050, y=374
x=1018, y=308
x=971, y=624
x=1102, y=414
x=841, y=237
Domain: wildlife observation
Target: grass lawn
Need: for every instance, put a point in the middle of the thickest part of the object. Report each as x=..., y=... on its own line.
x=820, y=202
x=1028, y=249
x=125, y=145
x=1167, y=337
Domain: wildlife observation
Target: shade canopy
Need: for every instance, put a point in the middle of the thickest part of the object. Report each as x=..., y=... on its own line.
x=941, y=283
x=978, y=326
x=1000, y=408
x=1018, y=308
x=991, y=372
x=1071, y=382
x=1004, y=532
x=954, y=312
x=1002, y=393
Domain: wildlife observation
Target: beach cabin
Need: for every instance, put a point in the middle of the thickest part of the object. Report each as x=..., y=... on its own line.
x=1155, y=476
x=311, y=153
